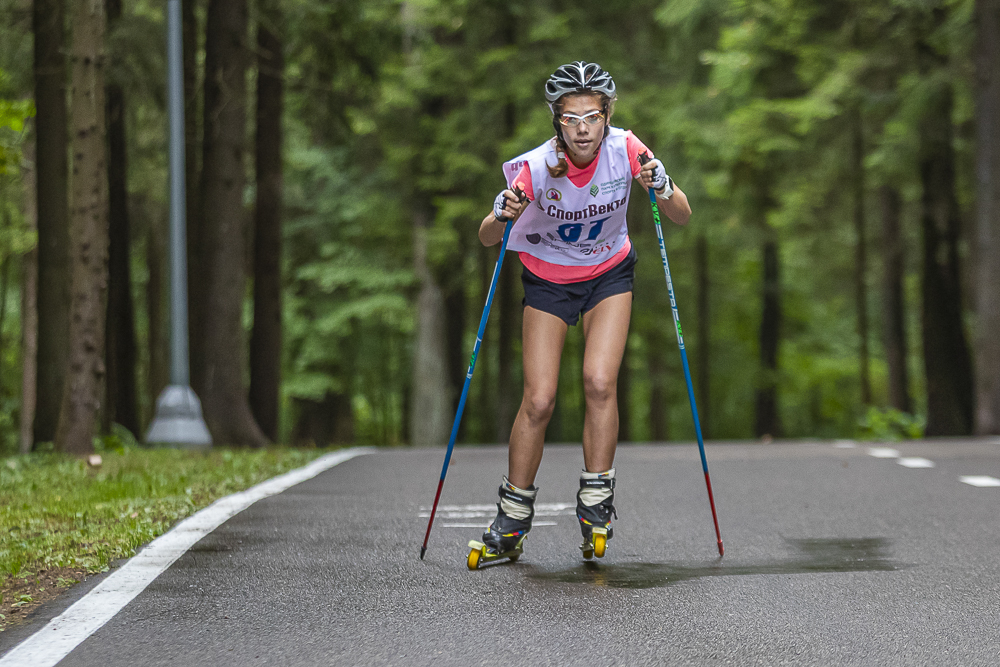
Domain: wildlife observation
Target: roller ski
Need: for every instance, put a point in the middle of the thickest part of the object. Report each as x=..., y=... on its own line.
x=594, y=509
x=505, y=536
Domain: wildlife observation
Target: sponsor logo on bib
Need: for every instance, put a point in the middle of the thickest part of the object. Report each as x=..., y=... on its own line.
x=591, y=211
x=610, y=187
x=594, y=190
x=553, y=194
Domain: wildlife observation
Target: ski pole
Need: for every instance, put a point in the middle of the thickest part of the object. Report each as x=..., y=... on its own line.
x=643, y=159
x=468, y=375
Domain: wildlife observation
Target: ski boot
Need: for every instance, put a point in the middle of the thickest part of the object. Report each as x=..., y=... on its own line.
x=505, y=536
x=594, y=509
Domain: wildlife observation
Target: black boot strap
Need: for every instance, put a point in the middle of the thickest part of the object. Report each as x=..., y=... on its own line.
x=516, y=497
x=604, y=483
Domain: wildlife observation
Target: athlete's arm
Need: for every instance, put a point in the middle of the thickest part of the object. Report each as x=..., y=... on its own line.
x=676, y=206
x=492, y=228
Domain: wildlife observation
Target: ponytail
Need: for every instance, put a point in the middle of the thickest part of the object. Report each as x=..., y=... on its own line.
x=561, y=168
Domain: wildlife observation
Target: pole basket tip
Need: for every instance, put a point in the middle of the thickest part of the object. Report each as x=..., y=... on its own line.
x=423, y=550
x=722, y=550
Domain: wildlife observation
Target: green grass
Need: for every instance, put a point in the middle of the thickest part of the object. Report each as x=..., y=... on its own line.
x=56, y=511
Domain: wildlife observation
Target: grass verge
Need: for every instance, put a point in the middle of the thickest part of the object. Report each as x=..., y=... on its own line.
x=62, y=519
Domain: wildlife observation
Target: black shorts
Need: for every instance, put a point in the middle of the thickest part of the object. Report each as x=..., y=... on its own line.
x=570, y=300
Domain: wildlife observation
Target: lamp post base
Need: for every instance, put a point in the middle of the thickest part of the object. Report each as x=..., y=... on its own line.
x=178, y=422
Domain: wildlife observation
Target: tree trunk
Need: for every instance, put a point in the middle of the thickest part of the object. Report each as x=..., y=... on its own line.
x=158, y=343
x=430, y=418
x=767, y=422
x=265, y=343
x=455, y=307
x=324, y=423
x=508, y=397
x=83, y=389
x=120, y=355
x=703, y=336
x=987, y=174
x=193, y=193
x=659, y=411
x=894, y=300
x=29, y=304
x=946, y=356
x=487, y=403
x=4, y=285
x=224, y=395
x=53, y=214
x=622, y=391
x=860, y=253
x=430, y=414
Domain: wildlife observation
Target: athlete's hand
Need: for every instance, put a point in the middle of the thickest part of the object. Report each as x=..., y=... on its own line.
x=509, y=204
x=654, y=175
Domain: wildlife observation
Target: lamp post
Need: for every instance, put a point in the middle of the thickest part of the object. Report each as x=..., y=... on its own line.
x=178, y=421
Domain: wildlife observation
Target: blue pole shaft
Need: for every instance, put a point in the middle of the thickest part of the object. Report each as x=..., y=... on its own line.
x=468, y=379
x=684, y=362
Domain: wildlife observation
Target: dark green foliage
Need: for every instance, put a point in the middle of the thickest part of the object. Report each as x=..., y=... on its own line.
x=393, y=107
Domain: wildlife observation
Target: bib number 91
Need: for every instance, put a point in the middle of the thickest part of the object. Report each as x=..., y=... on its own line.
x=571, y=231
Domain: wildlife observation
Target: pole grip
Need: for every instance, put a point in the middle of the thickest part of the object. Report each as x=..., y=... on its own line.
x=520, y=197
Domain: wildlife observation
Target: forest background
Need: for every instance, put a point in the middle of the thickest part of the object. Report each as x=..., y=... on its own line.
x=839, y=276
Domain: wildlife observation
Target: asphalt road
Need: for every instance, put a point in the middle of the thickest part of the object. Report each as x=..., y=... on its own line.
x=833, y=557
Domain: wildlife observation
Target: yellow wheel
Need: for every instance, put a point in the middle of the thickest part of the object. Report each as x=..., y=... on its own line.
x=600, y=544
x=474, y=559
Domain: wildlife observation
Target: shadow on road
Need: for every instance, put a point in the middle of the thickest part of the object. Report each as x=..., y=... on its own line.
x=866, y=554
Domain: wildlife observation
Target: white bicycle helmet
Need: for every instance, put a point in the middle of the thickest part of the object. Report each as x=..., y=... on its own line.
x=578, y=77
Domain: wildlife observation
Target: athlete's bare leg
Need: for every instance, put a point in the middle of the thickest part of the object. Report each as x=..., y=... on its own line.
x=542, y=342
x=605, y=332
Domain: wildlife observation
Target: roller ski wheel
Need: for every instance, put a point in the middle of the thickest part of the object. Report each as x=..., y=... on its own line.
x=505, y=536
x=480, y=554
x=594, y=509
x=597, y=545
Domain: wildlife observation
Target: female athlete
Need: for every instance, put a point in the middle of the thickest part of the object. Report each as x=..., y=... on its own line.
x=572, y=238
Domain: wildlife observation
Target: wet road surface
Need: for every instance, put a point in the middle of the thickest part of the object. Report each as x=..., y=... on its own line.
x=835, y=554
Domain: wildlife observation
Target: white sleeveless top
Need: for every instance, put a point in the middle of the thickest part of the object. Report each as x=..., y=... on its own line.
x=573, y=226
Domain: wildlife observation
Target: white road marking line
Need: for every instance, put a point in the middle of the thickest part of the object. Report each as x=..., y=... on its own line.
x=486, y=515
x=484, y=526
x=493, y=507
x=482, y=515
x=916, y=462
x=446, y=512
x=88, y=614
x=884, y=452
x=980, y=480
x=457, y=508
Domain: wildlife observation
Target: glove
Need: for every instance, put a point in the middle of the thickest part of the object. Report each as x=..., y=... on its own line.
x=499, y=204
x=661, y=181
